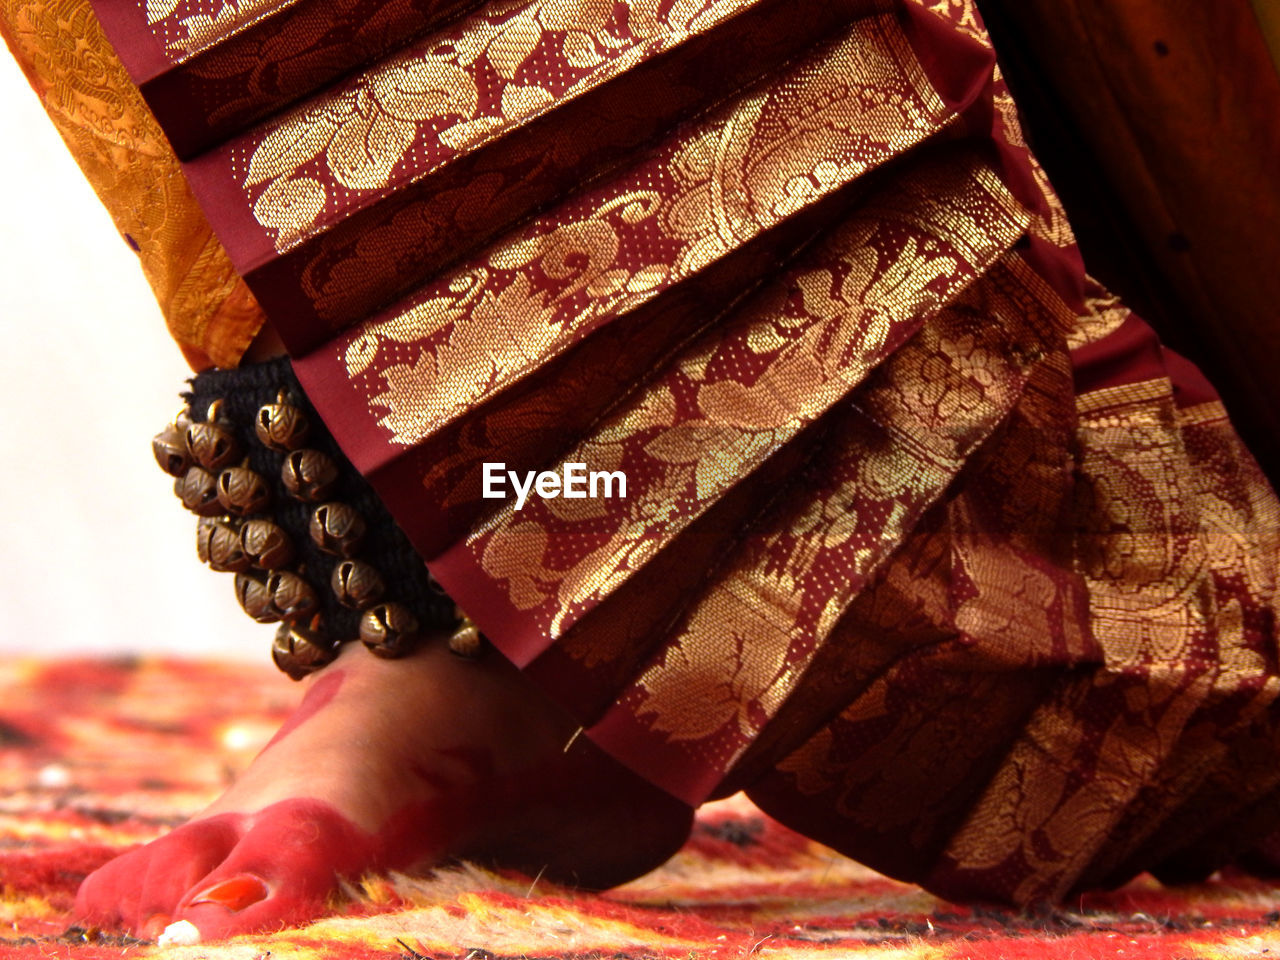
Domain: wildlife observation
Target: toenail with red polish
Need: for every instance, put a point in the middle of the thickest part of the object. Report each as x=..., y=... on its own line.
x=154, y=926
x=234, y=894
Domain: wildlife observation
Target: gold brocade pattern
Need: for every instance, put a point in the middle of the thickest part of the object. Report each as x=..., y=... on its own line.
x=962, y=617
x=123, y=153
x=1166, y=637
x=918, y=421
x=464, y=87
x=963, y=14
x=364, y=190
x=185, y=27
x=1104, y=313
x=878, y=561
x=869, y=462
x=900, y=260
x=718, y=185
x=1095, y=772
x=1237, y=524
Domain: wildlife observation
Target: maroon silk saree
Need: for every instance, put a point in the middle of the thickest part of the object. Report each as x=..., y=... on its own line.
x=926, y=541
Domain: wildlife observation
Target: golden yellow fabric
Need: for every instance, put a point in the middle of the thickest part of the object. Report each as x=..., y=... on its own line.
x=119, y=146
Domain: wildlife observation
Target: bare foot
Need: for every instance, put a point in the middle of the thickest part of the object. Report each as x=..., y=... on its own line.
x=393, y=765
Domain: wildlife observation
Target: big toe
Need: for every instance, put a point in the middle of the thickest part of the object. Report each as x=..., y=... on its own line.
x=181, y=861
x=138, y=888
x=281, y=873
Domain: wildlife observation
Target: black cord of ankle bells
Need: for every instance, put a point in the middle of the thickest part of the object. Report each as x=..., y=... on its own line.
x=243, y=391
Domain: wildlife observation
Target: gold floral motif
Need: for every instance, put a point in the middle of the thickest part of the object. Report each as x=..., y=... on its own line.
x=733, y=427
x=1164, y=541
x=1104, y=313
x=751, y=172
x=881, y=481
x=699, y=688
x=889, y=658
x=728, y=173
x=582, y=253
x=1240, y=517
x=962, y=13
x=491, y=334
x=363, y=132
x=1056, y=822
x=736, y=428
x=290, y=206
x=187, y=27
x=1138, y=544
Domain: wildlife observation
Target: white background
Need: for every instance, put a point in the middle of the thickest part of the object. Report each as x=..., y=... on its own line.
x=96, y=554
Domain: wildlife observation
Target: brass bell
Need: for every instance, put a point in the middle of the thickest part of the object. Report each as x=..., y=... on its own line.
x=255, y=597
x=265, y=544
x=170, y=449
x=198, y=491
x=281, y=426
x=218, y=544
x=356, y=584
x=212, y=445
x=389, y=630
x=299, y=651
x=293, y=598
x=241, y=491
x=467, y=641
x=337, y=528
x=203, y=526
x=309, y=475
x=274, y=596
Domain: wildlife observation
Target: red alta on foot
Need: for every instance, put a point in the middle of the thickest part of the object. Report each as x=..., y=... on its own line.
x=234, y=873
x=393, y=765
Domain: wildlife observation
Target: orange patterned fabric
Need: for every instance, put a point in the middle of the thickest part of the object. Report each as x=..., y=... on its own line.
x=122, y=151
x=104, y=754
x=925, y=542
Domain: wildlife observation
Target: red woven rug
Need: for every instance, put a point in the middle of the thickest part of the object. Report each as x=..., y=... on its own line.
x=95, y=756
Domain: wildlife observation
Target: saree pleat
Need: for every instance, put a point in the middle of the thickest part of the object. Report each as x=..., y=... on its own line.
x=367, y=188
x=1133, y=750
x=609, y=254
x=925, y=541
x=209, y=70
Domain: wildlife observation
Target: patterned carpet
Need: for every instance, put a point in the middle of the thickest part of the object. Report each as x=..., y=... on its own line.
x=95, y=756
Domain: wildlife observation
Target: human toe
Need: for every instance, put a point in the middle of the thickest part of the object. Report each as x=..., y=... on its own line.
x=281, y=872
x=177, y=864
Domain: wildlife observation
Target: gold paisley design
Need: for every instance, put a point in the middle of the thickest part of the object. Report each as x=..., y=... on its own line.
x=186, y=27
x=498, y=333
x=362, y=134
x=1179, y=672
x=428, y=101
x=596, y=261
x=728, y=428
x=891, y=479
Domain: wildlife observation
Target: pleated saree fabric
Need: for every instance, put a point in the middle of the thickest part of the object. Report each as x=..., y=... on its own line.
x=926, y=541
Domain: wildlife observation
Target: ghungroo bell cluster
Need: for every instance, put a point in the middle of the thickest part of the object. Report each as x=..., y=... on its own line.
x=268, y=489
